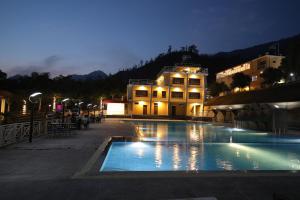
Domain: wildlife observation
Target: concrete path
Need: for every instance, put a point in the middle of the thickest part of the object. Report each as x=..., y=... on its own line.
x=55, y=157
x=43, y=170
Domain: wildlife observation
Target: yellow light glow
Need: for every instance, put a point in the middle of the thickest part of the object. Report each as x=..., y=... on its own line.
x=193, y=76
x=177, y=75
x=115, y=108
x=24, y=107
x=142, y=88
x=177, y=89
x=159, y=88
x=142, y=102
x=194, y=90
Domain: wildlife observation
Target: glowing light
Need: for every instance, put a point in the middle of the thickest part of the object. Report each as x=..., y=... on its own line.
x=234, y=70
x=35, y=94
x=159, y=88
x=193, y=76
x=194, y=90
x=66, y=99
x=138, y=145
x=142, y=88
x=158, y=155
x=176, y=157
x=24, y=107
x=276, y=106
x=177, y=75
x=54, y=104
x=236, y=129
x=292, y=74
x=177, y=89
x=142, y=102
x=115, y=109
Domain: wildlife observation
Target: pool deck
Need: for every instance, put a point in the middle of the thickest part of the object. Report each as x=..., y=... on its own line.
x=47, y=168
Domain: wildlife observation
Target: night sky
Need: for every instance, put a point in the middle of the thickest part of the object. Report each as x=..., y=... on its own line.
x=66, y=37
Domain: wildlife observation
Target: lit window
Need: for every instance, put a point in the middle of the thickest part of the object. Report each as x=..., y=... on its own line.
x=254, y=78
x=154, y=94
x=141, y=93
x=194, y=95
x=194, y=81
x=178, y=81
x=177, y=95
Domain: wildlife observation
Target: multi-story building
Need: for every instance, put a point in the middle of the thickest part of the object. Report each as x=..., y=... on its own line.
x=253, y=68
x=177, y=91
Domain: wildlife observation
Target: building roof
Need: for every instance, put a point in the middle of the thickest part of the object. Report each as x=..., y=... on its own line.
x=282, y=93
x=4, y=93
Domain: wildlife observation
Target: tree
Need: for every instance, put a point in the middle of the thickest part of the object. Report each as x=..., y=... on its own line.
x=291, y=63
x=193, y=49
x=271, y=76
x=240, y=80
x=3, y=75
x=216, y=88
x=169, y=49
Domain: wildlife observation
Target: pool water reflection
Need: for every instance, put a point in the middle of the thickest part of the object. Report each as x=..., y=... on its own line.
x=174, y=146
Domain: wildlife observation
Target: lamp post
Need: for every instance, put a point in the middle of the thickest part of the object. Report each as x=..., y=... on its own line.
x=88, y=107
x=63, y=101
x=94, y=107
x=33, y=98
x=79, y=104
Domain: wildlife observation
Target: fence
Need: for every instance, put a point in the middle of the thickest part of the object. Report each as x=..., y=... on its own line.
x=17, y=132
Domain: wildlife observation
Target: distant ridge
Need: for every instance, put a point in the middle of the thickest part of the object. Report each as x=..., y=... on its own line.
x=95, y=75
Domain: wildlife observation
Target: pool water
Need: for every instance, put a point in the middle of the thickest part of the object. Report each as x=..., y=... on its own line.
x=187, y=146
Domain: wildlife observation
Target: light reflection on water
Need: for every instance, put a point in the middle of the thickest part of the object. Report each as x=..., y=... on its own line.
x=201, y=132
x=157, y=156
x=196, y=146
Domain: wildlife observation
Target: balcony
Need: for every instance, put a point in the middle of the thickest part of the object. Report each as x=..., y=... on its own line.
x=199, y=70
x=141, y=82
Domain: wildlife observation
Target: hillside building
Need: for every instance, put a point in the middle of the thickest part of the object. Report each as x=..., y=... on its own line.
x=177, y=91
x=253, y=68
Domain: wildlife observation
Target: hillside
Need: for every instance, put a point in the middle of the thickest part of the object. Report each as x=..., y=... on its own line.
x=214, y=63
x=95, y=75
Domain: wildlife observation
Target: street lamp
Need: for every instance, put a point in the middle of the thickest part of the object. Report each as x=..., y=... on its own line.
x=33, y=98
x=95, y=106
x=79, y=104
x=63, y=101
x=88, y=107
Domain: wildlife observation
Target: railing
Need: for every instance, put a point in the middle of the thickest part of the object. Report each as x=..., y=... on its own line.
x=17, y=132
x=141, y=82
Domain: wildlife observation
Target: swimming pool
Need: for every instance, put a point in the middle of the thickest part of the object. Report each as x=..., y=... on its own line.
x=190, y=146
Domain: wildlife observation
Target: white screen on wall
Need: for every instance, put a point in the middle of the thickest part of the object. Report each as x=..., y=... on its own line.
x=115, y=109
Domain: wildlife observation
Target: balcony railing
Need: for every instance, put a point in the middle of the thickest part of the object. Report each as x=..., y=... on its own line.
x=200, y=70
x=141, y=82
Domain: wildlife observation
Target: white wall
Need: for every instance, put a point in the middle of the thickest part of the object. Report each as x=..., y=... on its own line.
x=115, y=109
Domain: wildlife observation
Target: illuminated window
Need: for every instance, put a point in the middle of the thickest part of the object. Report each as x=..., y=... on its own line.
x=178, y=81
x=254, y=78
x=194, y=81
x=141, y=93
x=154, y=94
x=163, y=94
x=177, y=95
x=194, y=95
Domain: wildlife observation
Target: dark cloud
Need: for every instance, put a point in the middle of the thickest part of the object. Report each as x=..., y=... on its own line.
x=52, y=60
x=47, y=65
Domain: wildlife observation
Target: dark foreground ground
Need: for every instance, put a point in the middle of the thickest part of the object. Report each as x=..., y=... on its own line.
x=44, y=170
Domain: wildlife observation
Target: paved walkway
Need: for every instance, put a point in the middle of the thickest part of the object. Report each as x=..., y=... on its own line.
x=55, y=157
x=43, y=170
